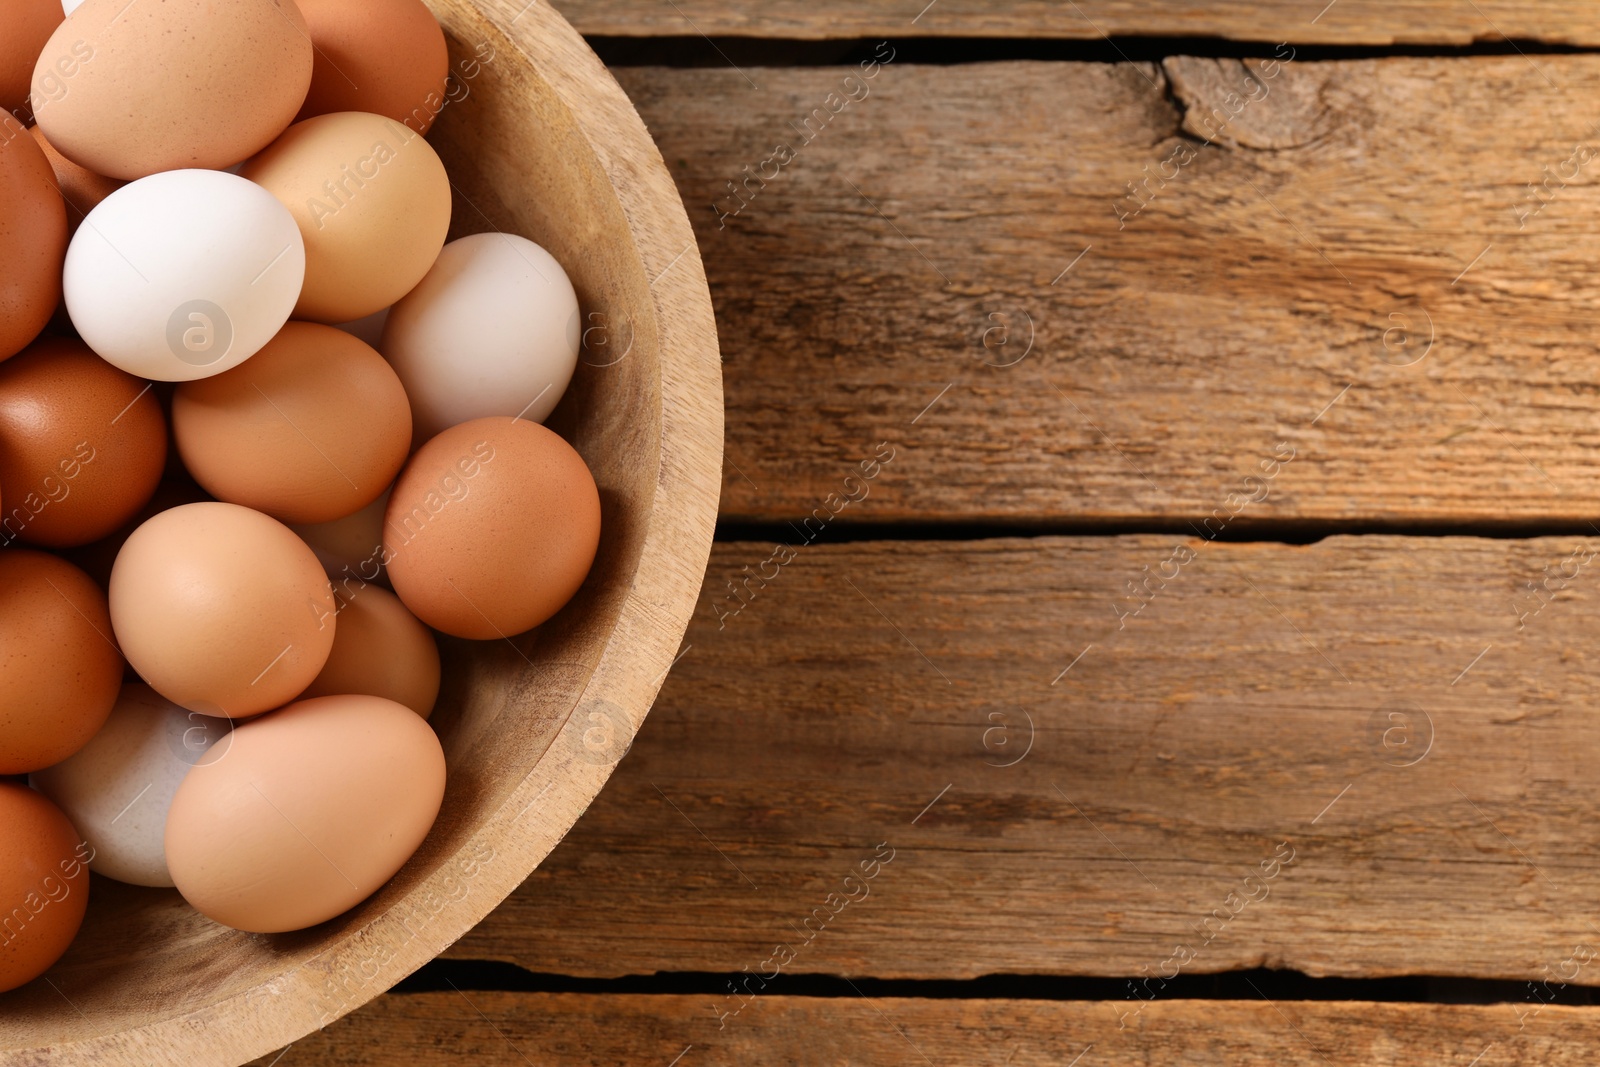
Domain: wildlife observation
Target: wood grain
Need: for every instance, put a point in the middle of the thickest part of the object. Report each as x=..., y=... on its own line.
x=1283, y=284
x=1343, y=22
x=498, y=1029
x=149, y=979
x=872, y=692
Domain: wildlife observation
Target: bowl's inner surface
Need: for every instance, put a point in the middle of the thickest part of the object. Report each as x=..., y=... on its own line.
x=519, y=164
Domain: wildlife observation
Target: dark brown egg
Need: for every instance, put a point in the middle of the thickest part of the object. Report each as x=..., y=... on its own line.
x=82, y=445
x=59, y=671
x=44, y=882
x=33, y=237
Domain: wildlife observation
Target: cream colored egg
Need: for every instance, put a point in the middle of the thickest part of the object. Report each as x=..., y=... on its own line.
x=118, y=787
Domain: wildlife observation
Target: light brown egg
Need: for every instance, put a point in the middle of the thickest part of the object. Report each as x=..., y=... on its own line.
x=59, y=671
x=298, y=816
x=310, y=429
x=81, y=188
x=127, y=90
x=491, y=528
x=44, y=883
x=386, y=57
x=221, y=609
x=33, y=238
x=25, y=26
x=351, y=548
x=82, y=445
x=381, y=650
x=372, y=202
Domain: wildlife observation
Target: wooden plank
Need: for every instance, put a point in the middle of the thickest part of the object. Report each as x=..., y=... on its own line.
x=498, y=1029
x=1343, y=22
x=866, y=698
x=1283, y=284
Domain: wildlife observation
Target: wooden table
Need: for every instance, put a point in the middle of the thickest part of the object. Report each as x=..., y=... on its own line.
x=1154, y=610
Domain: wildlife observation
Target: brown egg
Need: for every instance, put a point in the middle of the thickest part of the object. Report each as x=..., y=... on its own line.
x=372, y=202
x=82, y=445
x=59, y=671
x=81, y=188
x=491, y=528
x=310, y=429
x=127, y=90
x=221, y=609
x=44, y=884
x=381, y=650
x=27, y=24
x=386, y=57
x=33, y=238
x=300, y=815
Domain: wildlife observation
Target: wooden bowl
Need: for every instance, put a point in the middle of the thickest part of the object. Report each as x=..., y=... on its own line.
x=539, y=140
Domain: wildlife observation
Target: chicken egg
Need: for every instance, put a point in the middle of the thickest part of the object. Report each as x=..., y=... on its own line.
x=43, y=882
x=491, y=528
x=82, y=445
x=386, y=57
x=492, y=329
x=221, y=609
x=310, y=429
x=380, y=649
x=183, y=274
x=132, y=89
x=59, y=671
x=305, y=812
x=118, y=787
x=372, y=201
x=33, y=238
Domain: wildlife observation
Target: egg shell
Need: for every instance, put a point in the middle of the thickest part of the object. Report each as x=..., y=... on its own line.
x=44, y=884
x=184, y=274
x=221, y=609
x=33, y=238
x=380, y=649
x=81, y=188
x=116, y=789
x=373, y=204
x=385, y=57
x=59, y=671
x=310, y=429
x=491, y=528
x=128, y=90
x=82, y=445
x=492, y=329
x=28, y=24
x=304, y=813
x=350, y=549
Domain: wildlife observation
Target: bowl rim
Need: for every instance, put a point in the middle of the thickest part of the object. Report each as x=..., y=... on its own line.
x=510, y=842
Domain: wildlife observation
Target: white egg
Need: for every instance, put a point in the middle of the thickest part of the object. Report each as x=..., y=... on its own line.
x=116, y=790
x=491, y=330
x=69, y=6
x=183, y=274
